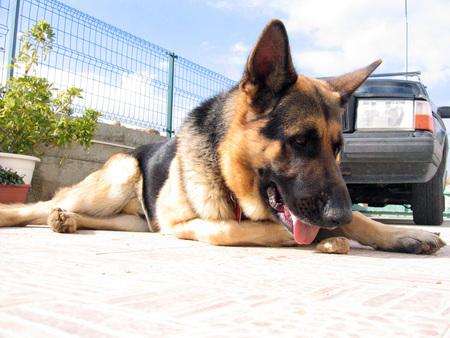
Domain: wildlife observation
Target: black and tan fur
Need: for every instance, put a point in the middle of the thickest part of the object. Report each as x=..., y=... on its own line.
x=266, y=148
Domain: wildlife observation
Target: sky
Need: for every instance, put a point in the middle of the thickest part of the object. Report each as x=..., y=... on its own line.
x=327, y=37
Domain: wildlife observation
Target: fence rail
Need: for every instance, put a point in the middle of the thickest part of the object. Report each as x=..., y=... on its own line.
x=401, y=211
x=123, y=76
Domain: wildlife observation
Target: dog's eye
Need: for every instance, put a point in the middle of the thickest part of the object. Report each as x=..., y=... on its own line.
x=305, y=144
x=298, y=141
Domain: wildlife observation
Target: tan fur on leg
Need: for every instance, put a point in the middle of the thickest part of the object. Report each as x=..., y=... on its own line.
x=100, y=201
x=22, y=214
x=231, y=233
x=387, y=237
x=69, y=222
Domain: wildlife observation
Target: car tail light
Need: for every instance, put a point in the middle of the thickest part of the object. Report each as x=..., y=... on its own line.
x=423, y=116
x=374, y=114
x=385, y=115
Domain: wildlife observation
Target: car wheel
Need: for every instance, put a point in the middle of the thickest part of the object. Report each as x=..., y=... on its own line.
x=428, y=202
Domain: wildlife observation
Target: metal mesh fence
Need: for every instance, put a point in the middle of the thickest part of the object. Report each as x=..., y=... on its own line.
x=122, y=76
x=193, y=84
x=4, y=11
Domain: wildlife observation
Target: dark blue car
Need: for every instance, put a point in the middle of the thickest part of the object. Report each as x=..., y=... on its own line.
x=395, y=148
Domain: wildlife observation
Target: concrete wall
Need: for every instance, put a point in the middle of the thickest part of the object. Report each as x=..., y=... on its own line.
x=50, y=174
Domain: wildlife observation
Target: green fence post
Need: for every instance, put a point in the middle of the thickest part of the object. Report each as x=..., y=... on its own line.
x=13, y=37
x=172, y=57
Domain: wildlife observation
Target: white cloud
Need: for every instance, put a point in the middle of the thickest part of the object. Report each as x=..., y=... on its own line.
x=240, y=48
x=341, y=35
x=240, y=52
x=330, y=37
x=128, y=97
x=263, y=6
x=232, y=63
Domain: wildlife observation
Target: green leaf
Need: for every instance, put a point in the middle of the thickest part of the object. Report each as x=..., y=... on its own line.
x=34, y=115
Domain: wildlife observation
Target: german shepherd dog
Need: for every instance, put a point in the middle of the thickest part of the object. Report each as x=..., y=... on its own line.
x=255, y=165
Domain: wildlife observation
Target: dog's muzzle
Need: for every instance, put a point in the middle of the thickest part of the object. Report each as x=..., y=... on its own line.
x=311, y=214
x=304, y=233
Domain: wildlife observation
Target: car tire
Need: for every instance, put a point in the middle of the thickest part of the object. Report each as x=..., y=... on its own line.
x=428, y=201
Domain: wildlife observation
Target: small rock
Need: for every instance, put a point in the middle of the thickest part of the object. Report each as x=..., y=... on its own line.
x=336, y=245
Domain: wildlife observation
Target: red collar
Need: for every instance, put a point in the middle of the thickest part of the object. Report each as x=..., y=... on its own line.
x=238, y=213
x=237, y=209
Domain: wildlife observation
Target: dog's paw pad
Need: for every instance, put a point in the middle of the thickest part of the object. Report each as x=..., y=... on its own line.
x=418, y=242
x=60, y=220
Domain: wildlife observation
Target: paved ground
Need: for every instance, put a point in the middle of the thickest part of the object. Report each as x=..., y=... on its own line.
x=111, y=284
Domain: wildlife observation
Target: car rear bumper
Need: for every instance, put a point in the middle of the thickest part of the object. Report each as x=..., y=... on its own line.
x=390, y=157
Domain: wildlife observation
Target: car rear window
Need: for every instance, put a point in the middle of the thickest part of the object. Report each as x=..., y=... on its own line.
x=390, y=88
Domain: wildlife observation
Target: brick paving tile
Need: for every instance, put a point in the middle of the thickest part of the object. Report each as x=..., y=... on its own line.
x=116, y=284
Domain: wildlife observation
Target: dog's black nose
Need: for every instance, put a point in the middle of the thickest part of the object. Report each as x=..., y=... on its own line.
x=338, y=210
x=333, y=218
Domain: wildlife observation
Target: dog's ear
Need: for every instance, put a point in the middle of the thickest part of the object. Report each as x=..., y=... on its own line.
x=348, y=83
x=269, y=67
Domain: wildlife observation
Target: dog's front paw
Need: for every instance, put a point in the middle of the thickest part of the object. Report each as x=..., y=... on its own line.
x=61, y=221
x=415, y=241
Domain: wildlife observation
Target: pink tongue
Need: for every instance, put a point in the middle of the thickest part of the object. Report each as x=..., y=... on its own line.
x=304, y=233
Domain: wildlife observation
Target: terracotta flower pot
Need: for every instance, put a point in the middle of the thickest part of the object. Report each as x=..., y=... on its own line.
x=13, y=194
x=23, y=164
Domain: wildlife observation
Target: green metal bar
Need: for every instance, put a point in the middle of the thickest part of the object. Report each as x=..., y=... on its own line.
x=172, y=57
x=395, y=213
x=371, y=212
x=13, y=37
x=446, y=214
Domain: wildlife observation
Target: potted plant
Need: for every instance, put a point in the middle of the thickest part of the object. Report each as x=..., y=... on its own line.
x=12, y=186
x=34, y=116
